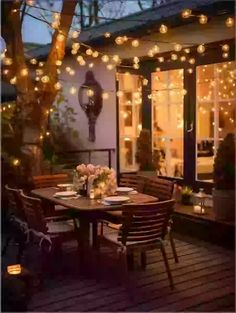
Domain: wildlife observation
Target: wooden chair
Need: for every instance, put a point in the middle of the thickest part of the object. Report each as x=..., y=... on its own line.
x=143, y=228
x=43, y=181
x=163, y=190
x=52, y=230
x=17, y=226
x=131, y=180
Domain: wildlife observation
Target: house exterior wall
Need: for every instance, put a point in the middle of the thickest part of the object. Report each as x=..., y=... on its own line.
x=106, y=122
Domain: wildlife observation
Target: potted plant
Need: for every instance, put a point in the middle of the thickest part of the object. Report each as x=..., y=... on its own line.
x=144, y=156
x=224, y=179
x=186, y=194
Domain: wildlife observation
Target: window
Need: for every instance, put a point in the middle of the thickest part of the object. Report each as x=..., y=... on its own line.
x=130, y=119
x=215, y=118
x=167, y=121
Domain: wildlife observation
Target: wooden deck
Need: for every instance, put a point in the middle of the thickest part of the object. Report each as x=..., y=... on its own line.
x=204, y=281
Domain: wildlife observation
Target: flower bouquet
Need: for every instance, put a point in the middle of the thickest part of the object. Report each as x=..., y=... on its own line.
x=101, y=178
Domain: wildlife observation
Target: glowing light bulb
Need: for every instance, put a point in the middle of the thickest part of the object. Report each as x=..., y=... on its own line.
x=24, y=72
x=45, y=79
x=135, y=43
x=74, y=52
x=225, y=48
x=105, y=95
x=60, y=37
x=75, y=46
x=161, y=59
x=183, y=58
x=58, y=62
x=186, y=13
x=174, y=57
x=151, y=53
x=177, y=47
x=187, y=50
x=5, y=72
x=105, y=58
x=89, y=51
x=16, y=162
x=72, y=90
x=68, y=69
x=156, y=49
x=201, y=49
x=192, y=61
x=158, y=69
x=41, y=64
x=72, y=72
x=136, y=66
x=95, y=54
x=107, y=35
x=75, y=34
x=58, y=86
x=79, y=58
x=90, y=92
x=33, y=61
x=13, y=80
x=225, y=55
x=58, y=71
x=91, y=65
x=7, y=61
x=190, y=70
x=163, y=29
x=145, y=82
x=229, y=22
x=47, y=133
x=82, y=62
x=203, y=19
x=120, y=93
x=110, y=67
x=119, y=40
x=136, y=60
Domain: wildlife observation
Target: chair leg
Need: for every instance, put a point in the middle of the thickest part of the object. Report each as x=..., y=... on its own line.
x=163, y=251
x=172, y=243
x=124, y=266
x=143, y=260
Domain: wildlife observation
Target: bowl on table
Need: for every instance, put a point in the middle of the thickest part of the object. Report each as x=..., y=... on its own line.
x=124, y=190
x=65, y=187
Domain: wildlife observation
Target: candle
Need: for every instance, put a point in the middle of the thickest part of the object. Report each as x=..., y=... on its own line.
x=91, y=194
x=14, y=269
x=197, y=209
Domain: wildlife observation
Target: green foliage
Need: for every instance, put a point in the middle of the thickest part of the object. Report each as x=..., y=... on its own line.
x=144, y=155
x=224, y=166
x=186, y=190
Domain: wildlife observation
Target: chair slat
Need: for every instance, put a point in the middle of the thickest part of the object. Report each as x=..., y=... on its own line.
x=43, y=181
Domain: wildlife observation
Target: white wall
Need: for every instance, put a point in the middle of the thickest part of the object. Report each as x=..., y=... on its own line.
x=106, y=122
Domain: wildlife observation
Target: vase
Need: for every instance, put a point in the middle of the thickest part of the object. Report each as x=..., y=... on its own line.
x=186, y=199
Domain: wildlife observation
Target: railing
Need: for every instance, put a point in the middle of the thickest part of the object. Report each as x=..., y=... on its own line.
x=89, y=152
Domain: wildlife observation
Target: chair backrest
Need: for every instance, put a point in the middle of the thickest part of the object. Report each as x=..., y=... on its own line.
x=14, y=202
x=43, y=181
x=33, y=213
x=131, y=180
x=158, y=187
x=145, y=223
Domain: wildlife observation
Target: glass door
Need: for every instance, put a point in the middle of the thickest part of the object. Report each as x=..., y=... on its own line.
x=130, y=119
x=167, y=121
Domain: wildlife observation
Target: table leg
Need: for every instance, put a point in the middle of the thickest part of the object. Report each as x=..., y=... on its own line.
x=83, y=241
x=95, y=232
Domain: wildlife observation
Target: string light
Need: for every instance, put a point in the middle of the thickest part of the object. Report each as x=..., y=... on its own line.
x=60, y=37
x=203, y=19
x=136, y=60
x=201, y=49
x=136, y=66
x=105, y=95
x=47, y=133
x=186, y=13
x=105, y=58
x=41, y=64
x=177, y=47
x=158, y=69
x=91, y=65
x=183, y=58
x=13, y=80
x=163, y=29
x=187, y=50
x=7, y=61
x=58, y=62
x=33, y=61
x=110, y=67
x=119, y=40
x=229, y=22
x=225, y=55
x=174, y=57
x=151, y=53
x=75, y=34
x=192, y=61
x=89, y=51
x=95, y=54
x=120, y=93
x=107, y=35
x=24, y=72
x=5, y=72
x=225, y=48
x=45, y=79
x=75, y=46
x=135, y=43
x=190, y=70
x=72, y=72
x=16, y=162
x=145, y=82
x=161, y=59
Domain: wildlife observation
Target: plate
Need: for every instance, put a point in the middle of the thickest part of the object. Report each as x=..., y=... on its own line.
x=64, y=185
x=124, y=189
x=65, y=194
x=116, y=199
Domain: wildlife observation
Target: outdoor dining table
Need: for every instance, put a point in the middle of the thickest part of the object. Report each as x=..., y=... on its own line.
x=88, y=211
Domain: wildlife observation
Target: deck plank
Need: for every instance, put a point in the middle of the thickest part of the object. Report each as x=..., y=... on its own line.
x=203, y=278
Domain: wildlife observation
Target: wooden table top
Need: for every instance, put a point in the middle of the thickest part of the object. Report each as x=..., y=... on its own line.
x=84, y=203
